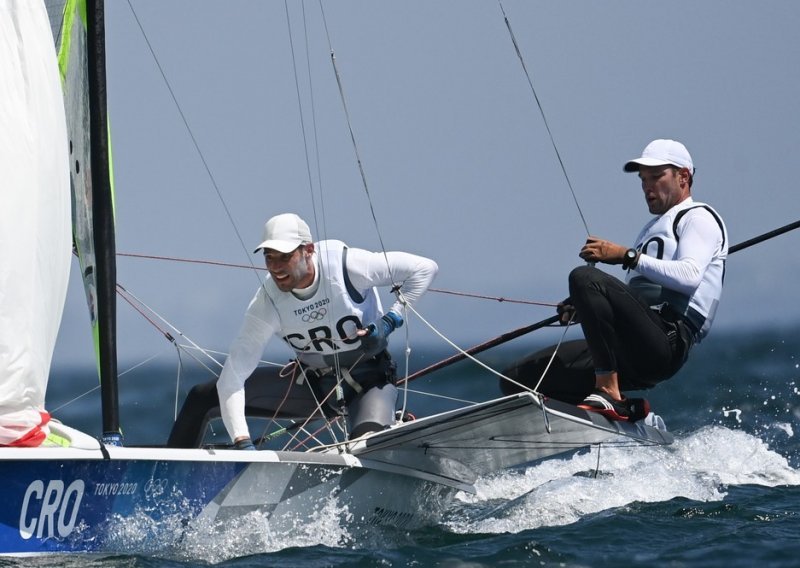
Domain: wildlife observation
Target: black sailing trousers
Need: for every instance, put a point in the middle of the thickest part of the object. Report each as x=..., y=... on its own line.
x=623, y=333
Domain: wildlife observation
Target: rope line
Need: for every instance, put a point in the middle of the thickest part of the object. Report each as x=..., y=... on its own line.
x=468, y=355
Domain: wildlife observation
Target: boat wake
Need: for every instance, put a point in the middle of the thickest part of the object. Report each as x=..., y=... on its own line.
x=215, y=541
x=252, y=534
x=699, y=467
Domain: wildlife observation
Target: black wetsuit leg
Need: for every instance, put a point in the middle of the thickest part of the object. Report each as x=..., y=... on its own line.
x=623, y=333
x=569, y=375
x=186, y=430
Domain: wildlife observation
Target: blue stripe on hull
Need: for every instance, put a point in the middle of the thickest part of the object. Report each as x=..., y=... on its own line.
x=72, y=506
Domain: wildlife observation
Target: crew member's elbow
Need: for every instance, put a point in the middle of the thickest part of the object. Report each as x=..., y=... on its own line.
x=430, y=268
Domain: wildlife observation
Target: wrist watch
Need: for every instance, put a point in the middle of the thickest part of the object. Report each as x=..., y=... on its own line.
x=630, y=260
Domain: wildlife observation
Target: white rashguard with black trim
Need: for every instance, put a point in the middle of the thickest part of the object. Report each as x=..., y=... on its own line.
x=329, y=311
x=683, y=264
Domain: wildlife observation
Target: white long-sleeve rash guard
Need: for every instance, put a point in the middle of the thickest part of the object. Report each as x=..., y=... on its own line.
x=693, y=266
x=365, y=269
x=701, y=240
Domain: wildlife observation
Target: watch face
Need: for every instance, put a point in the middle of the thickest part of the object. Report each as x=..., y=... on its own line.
x=630, y=257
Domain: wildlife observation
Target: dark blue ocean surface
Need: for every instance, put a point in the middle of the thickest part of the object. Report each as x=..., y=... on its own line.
x=726, y=493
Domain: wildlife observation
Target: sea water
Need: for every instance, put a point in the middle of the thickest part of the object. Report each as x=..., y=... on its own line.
x=726, y=493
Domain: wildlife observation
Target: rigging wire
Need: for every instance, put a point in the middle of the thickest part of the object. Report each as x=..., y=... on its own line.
x=319, y=216
x=501, y=299
x=53, y=411
x=564, y=171
x=318, y=161
x=544, y=118
x=501, y=376
x=300, y=105
x=130, y=298
x=356, y=149
x=468, y=355
x=359, y=162
x=192, y=136
x=293, y=368
x=552, y=356
x=213, y=181
x=395, y=287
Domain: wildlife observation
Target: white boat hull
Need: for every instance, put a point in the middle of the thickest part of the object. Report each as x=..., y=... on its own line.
x=74, y=499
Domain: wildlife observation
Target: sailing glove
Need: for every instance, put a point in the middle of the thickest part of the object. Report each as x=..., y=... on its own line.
x=375, y=339
x=385, y=325
x=244, y=444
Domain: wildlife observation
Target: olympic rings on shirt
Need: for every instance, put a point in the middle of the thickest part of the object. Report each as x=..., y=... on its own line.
x=316, y=315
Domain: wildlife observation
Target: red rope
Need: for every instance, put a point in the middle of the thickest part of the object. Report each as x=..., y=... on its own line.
x=123, y=293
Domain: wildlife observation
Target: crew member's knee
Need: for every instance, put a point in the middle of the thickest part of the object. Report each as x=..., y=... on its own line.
x=203, y=394
x=581, y=277
x=373, y=410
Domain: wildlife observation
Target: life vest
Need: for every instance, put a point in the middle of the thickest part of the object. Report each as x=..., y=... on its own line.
x=659, y=239
x=322, y=329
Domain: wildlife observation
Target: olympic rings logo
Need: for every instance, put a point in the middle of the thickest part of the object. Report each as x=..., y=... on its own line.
x=155, y=487
x=315, y=315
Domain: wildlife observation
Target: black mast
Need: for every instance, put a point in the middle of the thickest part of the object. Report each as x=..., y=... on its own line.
x=103, y=222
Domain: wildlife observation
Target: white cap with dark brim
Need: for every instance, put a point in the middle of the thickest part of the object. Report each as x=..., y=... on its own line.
x=662, y=153
x=284, y=233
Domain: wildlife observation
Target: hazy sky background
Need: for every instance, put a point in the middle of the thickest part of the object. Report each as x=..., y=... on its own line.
x=458, y=162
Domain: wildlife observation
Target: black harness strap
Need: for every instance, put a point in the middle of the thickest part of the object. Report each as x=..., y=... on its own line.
x=357, y=298
x=680, y=215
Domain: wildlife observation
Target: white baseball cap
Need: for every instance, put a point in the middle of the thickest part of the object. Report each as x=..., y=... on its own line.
x=284, y=233
x=662, y=153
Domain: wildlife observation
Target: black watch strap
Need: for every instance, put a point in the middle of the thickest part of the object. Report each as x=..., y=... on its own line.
x=630, y=260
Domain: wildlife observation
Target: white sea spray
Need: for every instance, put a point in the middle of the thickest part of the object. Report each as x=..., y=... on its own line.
x=699, y=466
x=255, y=533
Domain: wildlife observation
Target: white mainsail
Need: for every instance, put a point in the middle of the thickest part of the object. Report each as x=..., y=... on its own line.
x=35, y=221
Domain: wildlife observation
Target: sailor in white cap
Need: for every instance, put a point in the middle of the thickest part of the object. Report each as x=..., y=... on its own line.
x=639, y=332
x=321, y=300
